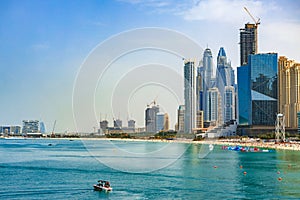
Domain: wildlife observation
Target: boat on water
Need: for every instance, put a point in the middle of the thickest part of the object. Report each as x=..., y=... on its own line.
x=103, y=186
x=246, y=149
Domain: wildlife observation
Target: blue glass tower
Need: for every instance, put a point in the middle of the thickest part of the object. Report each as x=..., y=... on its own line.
x=225, y=73
x=257, y=90
x=207, y=71
x=225, y=78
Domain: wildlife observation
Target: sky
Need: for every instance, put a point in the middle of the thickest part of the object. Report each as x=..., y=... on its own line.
x=45, y=44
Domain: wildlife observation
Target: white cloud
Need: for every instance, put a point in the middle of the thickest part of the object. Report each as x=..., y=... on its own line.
x=281, y=37
x=224, y=10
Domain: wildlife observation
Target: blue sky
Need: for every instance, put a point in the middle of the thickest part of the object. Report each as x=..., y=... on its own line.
x=44, y=43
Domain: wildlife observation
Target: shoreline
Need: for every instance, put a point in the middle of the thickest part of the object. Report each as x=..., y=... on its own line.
x=265, y=145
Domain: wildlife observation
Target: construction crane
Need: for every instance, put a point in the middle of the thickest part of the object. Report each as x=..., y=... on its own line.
x=153, y=102
x=257, y=22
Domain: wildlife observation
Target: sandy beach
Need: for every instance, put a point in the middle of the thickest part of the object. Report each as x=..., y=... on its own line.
x=247, y=143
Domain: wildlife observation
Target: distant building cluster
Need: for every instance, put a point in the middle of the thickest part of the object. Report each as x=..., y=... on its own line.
x=29, y=128
x=266, y=86
x=209, y=96
x=117, y=127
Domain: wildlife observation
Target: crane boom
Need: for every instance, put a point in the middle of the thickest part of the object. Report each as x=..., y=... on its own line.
x=255, y=21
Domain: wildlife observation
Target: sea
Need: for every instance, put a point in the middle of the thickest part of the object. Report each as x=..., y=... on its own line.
x=68, y=169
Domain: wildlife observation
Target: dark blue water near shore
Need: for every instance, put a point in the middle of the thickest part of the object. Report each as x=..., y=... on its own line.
x=33, y=169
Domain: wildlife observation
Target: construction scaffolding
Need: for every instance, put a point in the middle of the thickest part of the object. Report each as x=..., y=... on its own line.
x=280, y=128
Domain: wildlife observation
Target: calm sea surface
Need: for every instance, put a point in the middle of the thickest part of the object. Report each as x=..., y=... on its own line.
x=64, y=169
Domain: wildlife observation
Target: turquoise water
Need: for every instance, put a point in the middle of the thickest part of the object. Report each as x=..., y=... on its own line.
x=33, y=169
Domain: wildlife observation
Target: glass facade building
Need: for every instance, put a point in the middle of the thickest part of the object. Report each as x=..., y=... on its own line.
x=180, y=118
x=257, y=90
x=244, y=95
x=207, y=79
x=225, y=79
x=213, y=104
x=190, y=97
x=150, y=119
x=160, y=122
x=10, y=130
x=229, y=104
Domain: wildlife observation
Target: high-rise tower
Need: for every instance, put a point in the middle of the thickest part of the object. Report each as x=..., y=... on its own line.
x=150, y=118
x=248, y=42
x=190, y=97
x=207, y=78
x=180, y=118
x=289, y=90
x=225, y=73
x=225, y=79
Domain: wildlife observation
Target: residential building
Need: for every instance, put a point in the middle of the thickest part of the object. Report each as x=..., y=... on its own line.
x=166, y=122
x=190, y=97
x=180, y=118
x=104, y=124
x=213, y=108
x=10, y=130
x=131, y=124
x=289, y=90
x=206, y=71
x=150, y=118
x=30, y=126
x=160, y=122
x=229, y=104
x=118, y=124
x=199, y=119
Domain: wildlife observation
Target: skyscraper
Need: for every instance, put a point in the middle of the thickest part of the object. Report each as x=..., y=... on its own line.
x=180, y=118
x=248, y=42
x=213, y=107
x=289, y=90
x=159, y=122
x=257, y=90
x=207, y=79
x=190, y=97
x=225, y=73
x=150, y=118
x=207, y=68
x=166, y=122
x=224, y=79
x=229, y=104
